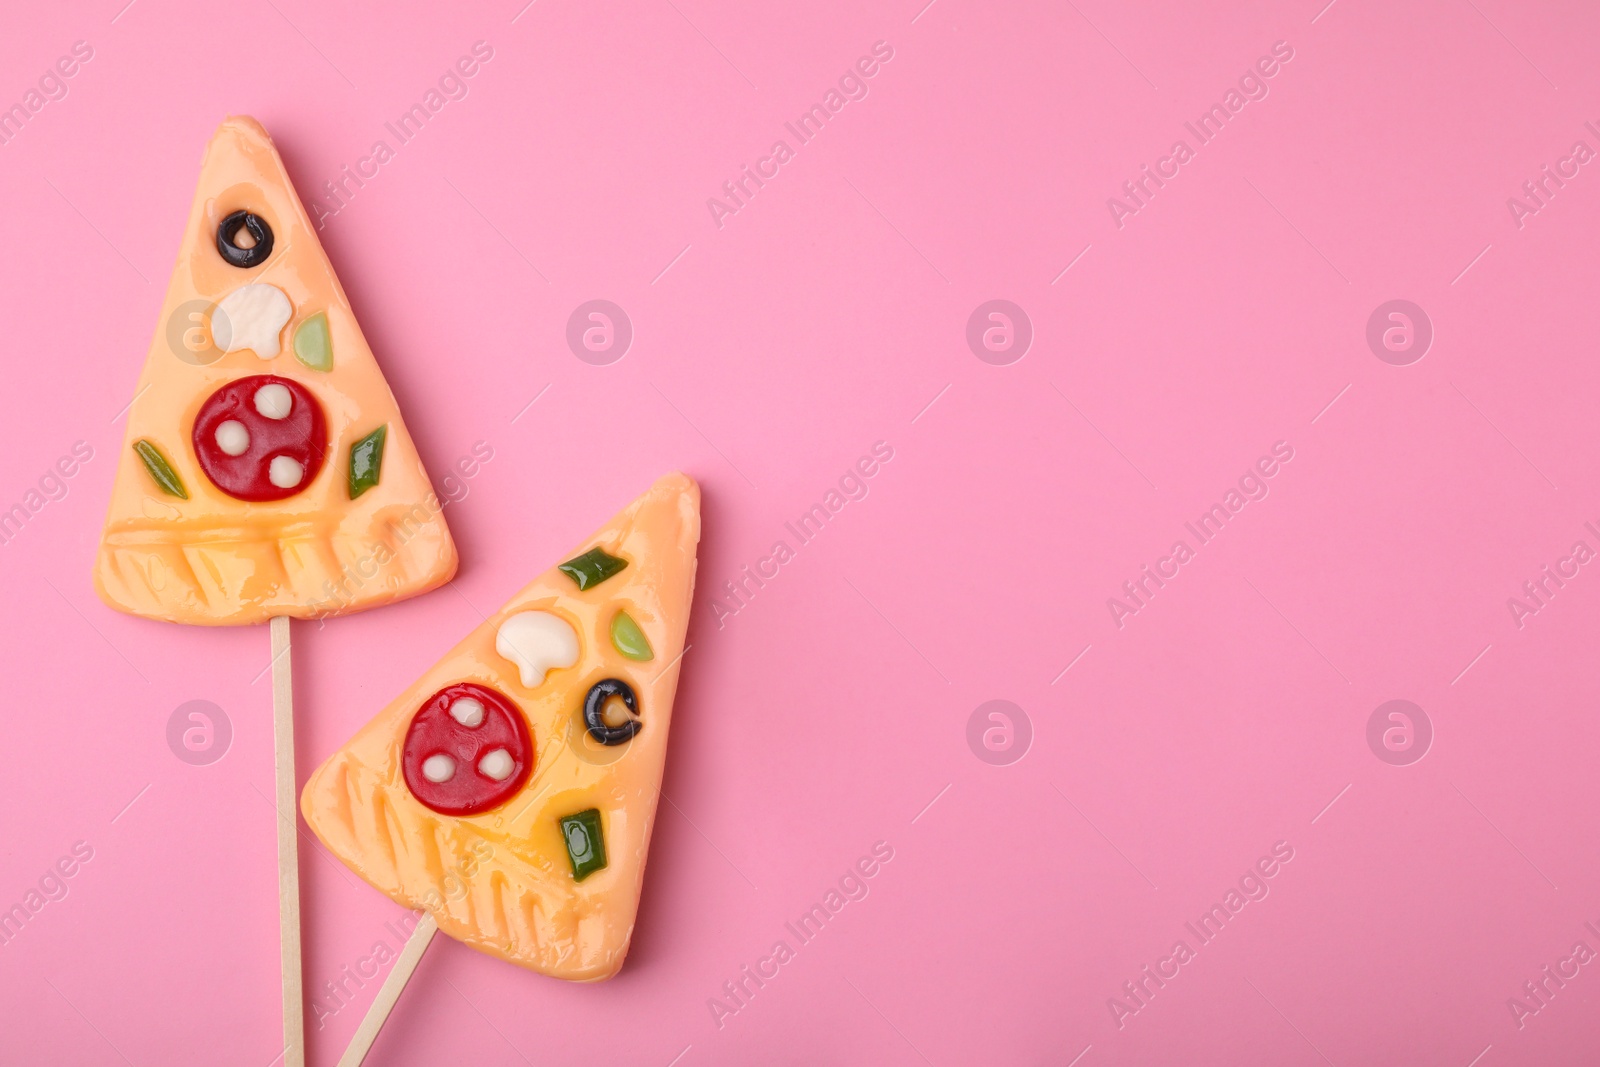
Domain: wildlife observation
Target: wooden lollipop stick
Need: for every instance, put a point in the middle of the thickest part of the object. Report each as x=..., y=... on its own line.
x=294, y=1021
x=393, y=986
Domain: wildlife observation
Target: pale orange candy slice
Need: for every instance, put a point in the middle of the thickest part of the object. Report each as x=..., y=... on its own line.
x=506, y=879
x=206, y=556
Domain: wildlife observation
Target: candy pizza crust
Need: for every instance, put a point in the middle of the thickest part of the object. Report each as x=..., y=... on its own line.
x=231, y=509
x=519, y=879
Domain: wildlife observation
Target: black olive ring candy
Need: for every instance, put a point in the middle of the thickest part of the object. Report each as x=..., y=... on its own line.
x=245, y=258
x=594, y=707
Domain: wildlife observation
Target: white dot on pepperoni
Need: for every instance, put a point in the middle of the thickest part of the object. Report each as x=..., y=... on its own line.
x=233, y=438
x=273, y=401
x=497, y=765
x=439, y=768
x=467, y=711
x=285, y=473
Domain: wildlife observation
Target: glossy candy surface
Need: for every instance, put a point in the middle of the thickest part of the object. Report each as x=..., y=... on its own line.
x=230, y=517
x=594, y=712
x=543, y=891
x=237, y=255
x=366, y=461
x=159, y=467
x=271, y=430
x=585, y=837
x=593, y=567
x=468, y=737
x=628, y=639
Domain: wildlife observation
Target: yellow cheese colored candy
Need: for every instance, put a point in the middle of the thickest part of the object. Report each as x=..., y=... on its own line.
x=503, y=880
x=211, y=558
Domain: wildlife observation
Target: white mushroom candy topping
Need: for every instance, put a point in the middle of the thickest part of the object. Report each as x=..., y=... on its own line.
x=252, y=316
x=537, y=642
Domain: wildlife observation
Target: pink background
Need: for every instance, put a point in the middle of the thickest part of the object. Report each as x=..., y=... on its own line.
x=1226, y=716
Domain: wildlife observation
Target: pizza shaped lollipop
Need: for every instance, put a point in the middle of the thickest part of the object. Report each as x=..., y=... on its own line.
x=267, y=471
x=511, y=790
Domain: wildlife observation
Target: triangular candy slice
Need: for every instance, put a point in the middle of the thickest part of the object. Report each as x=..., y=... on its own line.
x=511, y=790
x=266, y=469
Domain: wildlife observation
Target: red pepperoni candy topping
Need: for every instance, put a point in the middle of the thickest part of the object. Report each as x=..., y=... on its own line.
x=470, y=761
x=257, y=456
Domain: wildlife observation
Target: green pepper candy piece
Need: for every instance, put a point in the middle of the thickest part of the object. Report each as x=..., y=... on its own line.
x=629, y=639
x=161, y=471
x=312, y=344
x=366, y=461
x=593, y=567
x=586, y=843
